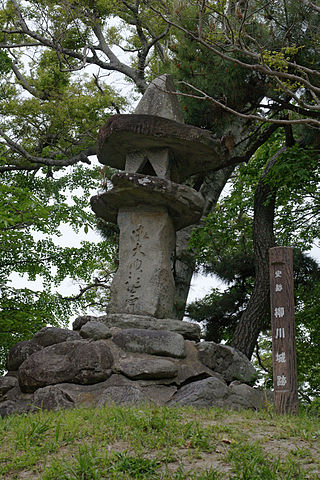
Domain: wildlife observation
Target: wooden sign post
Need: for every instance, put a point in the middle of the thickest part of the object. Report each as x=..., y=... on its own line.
x=283, y=330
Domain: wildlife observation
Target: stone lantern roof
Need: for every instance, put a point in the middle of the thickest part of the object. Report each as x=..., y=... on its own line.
x=157, y=125
x=192, y=149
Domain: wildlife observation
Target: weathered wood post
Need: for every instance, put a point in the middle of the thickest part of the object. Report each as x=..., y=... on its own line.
x=283, y=330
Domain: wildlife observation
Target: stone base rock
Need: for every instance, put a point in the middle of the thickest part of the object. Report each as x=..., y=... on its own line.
x=67, y=395
x=125, y=366
x=230, y=362
x=15, y=401
x=51, y=335
x=74, y=362
x=7, y=383
x=10, y=407
x=190, y=331
x=95, y=330
x=19, y=352
x=153, y=342
x=213, y=392
x=203, y=393
x=155, y=368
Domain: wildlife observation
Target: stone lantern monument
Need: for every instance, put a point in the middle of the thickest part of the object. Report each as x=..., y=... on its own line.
x=138, y=353
x=157, y=151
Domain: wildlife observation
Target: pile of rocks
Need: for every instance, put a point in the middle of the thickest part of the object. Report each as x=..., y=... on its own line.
x=125, y=359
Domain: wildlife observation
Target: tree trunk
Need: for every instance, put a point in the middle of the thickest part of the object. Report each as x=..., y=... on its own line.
x=184, y=267
x=251, y=322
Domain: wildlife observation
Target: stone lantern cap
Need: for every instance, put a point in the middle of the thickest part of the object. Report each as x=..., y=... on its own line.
x=193, y=150
x=184, y=204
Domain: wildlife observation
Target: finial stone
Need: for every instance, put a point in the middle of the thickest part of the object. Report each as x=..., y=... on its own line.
x=158, y=101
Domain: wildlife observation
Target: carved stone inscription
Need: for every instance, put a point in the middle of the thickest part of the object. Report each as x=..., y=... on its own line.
x=144, y=282
x=133, y=284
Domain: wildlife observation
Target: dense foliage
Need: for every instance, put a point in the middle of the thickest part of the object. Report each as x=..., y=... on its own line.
x=49, y=122
x=34, y=209
x=264, y=56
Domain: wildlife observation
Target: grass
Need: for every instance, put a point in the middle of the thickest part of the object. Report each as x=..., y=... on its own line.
x=124, y=443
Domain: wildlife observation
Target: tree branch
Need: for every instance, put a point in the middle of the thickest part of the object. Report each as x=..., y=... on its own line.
x=83, y=290
x=297, y=109
x=312, y=5
x=17, y=45
x=23, y=81
x=114, y=63
x=253, y=67
x=40, y=161
x=263, y=137
x=259, y=118
x=264, y=368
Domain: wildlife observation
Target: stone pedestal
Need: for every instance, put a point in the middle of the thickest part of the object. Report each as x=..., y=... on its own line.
x=144, y=283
